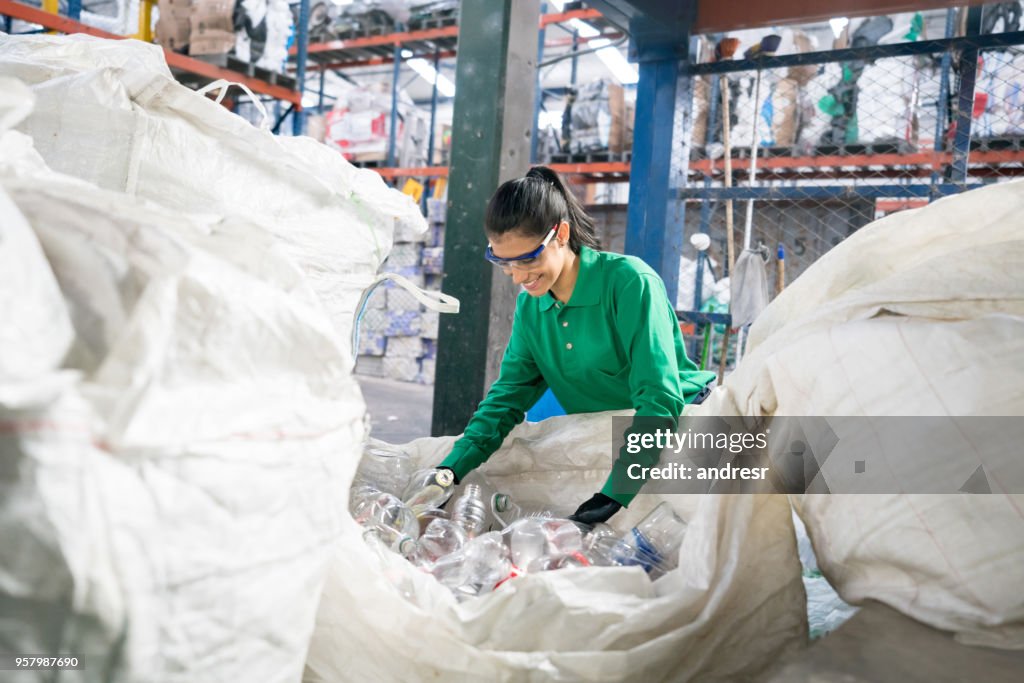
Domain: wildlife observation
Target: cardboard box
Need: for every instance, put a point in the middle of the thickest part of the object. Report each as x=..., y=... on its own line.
x=211, y=42
x=213, y=31
x=617, y=109
x=174, y=27
x=173, y=32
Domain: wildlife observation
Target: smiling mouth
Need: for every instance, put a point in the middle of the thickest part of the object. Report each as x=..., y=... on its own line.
x=532, y=284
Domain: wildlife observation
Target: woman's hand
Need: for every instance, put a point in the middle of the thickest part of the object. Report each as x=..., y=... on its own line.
x=596, y=510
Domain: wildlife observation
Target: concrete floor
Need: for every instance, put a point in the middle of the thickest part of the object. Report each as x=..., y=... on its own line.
x=399, y=411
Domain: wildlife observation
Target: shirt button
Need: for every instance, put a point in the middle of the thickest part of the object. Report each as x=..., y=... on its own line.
x=565, y=324
x=558, y=305
x=569, y=346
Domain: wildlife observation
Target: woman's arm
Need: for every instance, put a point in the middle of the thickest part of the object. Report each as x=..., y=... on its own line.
x=517, y=388
x=647, y=325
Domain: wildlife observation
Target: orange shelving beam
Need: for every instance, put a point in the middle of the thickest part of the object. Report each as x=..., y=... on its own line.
x=63, y=24
x=401, y=38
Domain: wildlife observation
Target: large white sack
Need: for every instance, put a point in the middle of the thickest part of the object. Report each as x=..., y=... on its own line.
x=734, y=605
x=110, y=113
x=918, y=314
x=168, y=492
x=42, y=334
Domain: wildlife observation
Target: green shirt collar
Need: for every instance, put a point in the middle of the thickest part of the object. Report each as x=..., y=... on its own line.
x=587, y=291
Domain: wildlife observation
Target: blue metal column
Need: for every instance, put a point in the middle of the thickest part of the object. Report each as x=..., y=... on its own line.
x=655, y=217
x=302, y=52
x=433, y=122
x=75, y=10
x=943, y=102
x=393, y=128
x=965, y=98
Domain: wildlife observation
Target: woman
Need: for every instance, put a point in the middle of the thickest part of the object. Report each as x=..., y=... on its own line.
x=597, y=328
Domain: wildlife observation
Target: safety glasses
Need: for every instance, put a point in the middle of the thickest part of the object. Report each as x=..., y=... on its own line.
x=523, y=261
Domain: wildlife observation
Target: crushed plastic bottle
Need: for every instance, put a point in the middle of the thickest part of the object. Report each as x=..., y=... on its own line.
x=487, y=561
x=599, y=545
x=477, y=568
x=527, y=542
x=385, y=468
x=469, y=511
x=442, y=537
x=506, y=511
x=429, y=489
x=653, y=543
x=385, y=510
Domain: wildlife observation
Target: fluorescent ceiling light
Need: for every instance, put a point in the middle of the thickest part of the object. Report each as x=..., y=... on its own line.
x=406, y=54
x=429, y=74
x=612, y=58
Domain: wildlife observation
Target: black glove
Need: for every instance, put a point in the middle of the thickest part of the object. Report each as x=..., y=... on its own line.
x=596, y=510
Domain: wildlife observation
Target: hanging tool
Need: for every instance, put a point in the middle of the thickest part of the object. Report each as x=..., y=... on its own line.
x=766, y=48
x=725, y=49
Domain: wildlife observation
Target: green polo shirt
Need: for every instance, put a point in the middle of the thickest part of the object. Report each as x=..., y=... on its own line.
x=614, y=345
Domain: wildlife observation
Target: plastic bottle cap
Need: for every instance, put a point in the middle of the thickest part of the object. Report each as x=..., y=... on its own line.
x=501, y=502
x=444, y=477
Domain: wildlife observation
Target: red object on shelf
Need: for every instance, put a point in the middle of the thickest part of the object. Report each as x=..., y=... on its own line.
x=181, y=62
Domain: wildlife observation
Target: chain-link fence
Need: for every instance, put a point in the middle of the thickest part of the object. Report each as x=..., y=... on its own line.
x=912, y=108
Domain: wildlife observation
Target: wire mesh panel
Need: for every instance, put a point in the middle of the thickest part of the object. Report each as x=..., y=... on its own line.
x=912, y=108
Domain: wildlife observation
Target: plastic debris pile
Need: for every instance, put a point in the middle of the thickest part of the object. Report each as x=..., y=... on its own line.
x=483, y=538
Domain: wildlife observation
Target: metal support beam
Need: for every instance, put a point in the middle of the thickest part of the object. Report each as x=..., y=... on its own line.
x=433, y=123
x=491, y=131
x=942, y=105
x=823, y=192
x=298, y=117
x=965, y=98
x=393, y=127
x=654, y=228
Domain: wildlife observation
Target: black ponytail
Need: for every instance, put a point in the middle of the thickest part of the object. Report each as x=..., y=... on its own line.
x=536, y=203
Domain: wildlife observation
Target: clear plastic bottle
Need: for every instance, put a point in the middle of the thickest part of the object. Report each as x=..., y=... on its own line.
x=487, y=562
x=392, y=538
x=506, y=511
x=563, y=536
x=599, y=545
x=528, y=542
x=385, y=510
x=469, y=511
x=654, y=542
x=386, y=468
x=429, y=489
x=442, y=537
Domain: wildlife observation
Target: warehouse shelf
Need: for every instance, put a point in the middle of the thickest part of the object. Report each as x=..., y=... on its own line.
x=374, y=50
x=194, y=72
x=911, y=165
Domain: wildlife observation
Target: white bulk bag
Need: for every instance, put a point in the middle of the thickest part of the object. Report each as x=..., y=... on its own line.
x=735, y=604
x=919, y=314
x=110, y=113
x=171, y=475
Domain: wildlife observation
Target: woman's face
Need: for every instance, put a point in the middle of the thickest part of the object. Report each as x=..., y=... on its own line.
x=538, y=275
